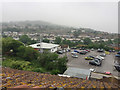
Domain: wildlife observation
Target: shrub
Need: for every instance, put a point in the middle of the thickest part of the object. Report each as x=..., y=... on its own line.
x=27, y=53
x=21, y=65
x=39, y=70
x=55, y=72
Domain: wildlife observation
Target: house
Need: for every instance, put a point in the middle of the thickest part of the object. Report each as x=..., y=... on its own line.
x=78, y=72
x=45, y=46
x=65, y=47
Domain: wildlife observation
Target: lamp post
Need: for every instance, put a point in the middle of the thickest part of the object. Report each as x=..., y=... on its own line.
x=41, y=51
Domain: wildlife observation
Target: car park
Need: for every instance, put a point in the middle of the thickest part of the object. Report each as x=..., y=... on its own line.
x=89, y=58
x=95, y=62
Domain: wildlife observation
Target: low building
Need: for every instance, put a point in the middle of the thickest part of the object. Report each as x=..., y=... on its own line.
x=45, y=46
x=78, y=72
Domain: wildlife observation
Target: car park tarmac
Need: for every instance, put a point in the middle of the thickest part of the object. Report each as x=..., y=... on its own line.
x=80, y=62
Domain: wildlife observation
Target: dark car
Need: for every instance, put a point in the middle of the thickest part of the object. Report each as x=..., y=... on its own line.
x=76, y=51
x=83, y=52
x=117, y=55
x=95, y=62
x=60, y=52
x=118, y=52
x=117, y=66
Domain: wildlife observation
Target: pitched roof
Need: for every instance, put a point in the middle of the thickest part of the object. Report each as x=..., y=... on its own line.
x=12, y=78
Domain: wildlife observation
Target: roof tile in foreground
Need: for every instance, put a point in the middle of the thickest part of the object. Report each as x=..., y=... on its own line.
x=14, y=79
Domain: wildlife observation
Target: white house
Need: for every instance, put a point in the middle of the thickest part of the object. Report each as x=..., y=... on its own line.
x=45, y=46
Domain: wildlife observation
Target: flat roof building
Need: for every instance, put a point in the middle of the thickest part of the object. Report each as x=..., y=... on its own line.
x=78, y=72
x=45, y=46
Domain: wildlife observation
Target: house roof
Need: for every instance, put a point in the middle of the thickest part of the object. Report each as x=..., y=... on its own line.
x=13, y=77
x=77, y=72
x=44, y=45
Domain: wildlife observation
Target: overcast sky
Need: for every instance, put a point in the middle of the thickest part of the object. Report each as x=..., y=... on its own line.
x=101, y=16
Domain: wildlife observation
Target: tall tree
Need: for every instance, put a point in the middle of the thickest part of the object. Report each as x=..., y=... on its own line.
x=10, y=45
x=58, y=40
x=76, y=34
x=46, y=40
x=87, y=41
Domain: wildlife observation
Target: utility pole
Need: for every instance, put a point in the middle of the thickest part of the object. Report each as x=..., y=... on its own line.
x=41, y=51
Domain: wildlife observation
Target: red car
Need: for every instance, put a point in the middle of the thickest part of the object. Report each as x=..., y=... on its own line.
x=88, y=50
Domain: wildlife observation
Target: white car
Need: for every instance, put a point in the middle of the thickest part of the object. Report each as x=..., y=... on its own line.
x=92, y=70
x=75, y=56
x=100, y=57
x=73, y=53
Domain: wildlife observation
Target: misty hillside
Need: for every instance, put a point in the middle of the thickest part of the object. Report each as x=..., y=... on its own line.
x=35, y=26
x=46, y=27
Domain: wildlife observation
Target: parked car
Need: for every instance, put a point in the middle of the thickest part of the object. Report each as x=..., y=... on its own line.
x=92, y=49
x=95, y=62
x=103, y=55
x=60, y=52
x=118, y=52
x=110, y=50
x=100, y=50
x=88, y=50
x=100, y=57
x=73, y=53
x=83, y=52
x=64, y=50
x=68, y=50
x=75, y=56
x=89, y=58
x=117, y=55
x=76, y=51
x=117, y=66
x=82, y=48
x=73, y=47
